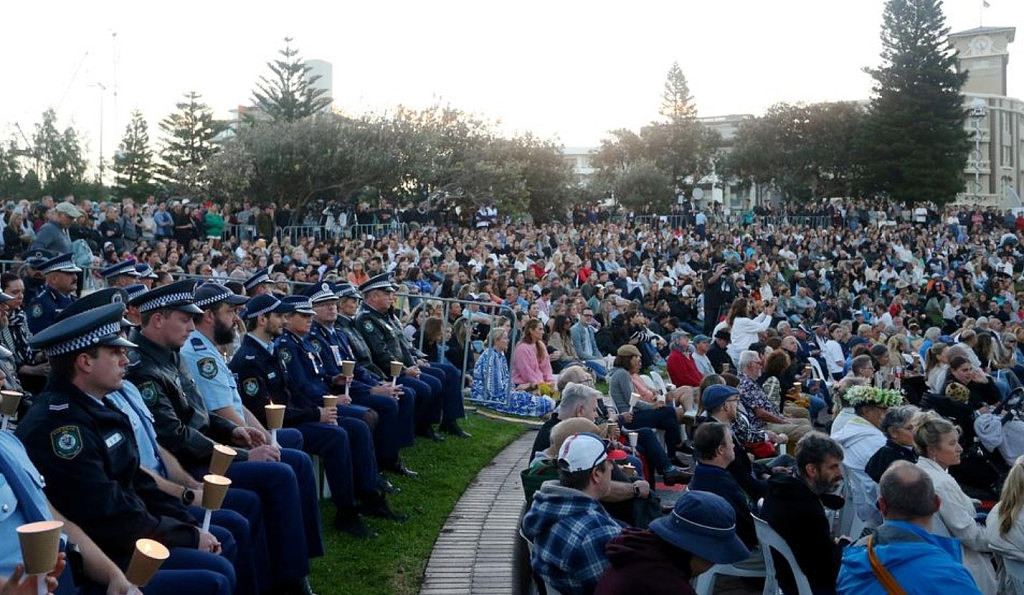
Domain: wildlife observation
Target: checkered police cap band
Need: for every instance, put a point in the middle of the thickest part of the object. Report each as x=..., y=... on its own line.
x=165, y=301
x=262, y=277
x=213, y=299
x=62, y=265
x=85, y=341
x=135, y=291
x=125, y=268
x=323, y=295
x=246, y=314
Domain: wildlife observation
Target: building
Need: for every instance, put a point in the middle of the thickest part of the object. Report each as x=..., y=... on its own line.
x=994, y=171
x=325, y=71
x=578, y=158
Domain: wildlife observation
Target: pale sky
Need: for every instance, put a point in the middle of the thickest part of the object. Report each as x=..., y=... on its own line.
x=564, y=69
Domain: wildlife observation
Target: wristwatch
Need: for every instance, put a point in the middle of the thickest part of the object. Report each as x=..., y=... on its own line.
x=636, y=490
x=188, y=496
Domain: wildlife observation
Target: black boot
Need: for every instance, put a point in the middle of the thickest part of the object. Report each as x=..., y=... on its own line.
x=429, y=432
x=376, y=505
x=386, y=486
x=349, y=521
x=398, y=468
x=452, y=427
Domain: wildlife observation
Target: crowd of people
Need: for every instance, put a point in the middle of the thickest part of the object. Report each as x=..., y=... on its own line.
x=723, y=342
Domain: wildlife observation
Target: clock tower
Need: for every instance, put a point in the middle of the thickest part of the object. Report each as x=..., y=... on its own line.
x=984, y=54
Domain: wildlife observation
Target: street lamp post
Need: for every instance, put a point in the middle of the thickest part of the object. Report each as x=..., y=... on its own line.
x=977, y=113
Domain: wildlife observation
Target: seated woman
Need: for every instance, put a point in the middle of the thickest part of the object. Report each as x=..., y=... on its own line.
x=898, y=427
x=981, y=394
x=561, y=341
x=775, y=365
x=1005, y=523
x=531, y=364
x=491, y=385
x=938, y=443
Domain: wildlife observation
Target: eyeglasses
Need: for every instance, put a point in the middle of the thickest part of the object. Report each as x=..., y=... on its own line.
x=733, y=400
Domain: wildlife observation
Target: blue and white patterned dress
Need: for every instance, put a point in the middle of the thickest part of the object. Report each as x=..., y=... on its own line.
x=492, y=387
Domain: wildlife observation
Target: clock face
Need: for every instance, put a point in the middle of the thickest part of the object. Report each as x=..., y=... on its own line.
x=981, y=44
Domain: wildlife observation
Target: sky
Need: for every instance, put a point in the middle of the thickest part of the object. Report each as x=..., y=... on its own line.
x=564, y=69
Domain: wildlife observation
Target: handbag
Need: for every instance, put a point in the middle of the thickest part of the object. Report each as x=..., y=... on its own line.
x=761, y=450
x=889, y=583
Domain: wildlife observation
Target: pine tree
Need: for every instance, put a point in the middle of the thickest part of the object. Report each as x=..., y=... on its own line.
x=676, y=101
x=914, y=146
x=133, y=162
x=189, y=141
x=288, y=95
x=60, y=155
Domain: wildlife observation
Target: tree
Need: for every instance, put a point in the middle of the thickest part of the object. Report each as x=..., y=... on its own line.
x=189, y=141
x=643, y=187
x=914, y=146
x=676, y=101
x=289, y=94
x=60, y=156
x=133, y=162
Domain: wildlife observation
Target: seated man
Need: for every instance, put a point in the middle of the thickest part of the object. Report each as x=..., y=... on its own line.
x=793, y=507
x=917, y=560
x=567, y=525
x=765, y=415
x=713, y=448
x=700, y=532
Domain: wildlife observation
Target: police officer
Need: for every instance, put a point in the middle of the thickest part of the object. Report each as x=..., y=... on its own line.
x=187, y=430
x=383, y=333
x=146, y=275
x=61, y=276
x=259, y=283
x=84, y=447
x=395, y=409
x=428, y=404
x=120, y=274
x=251, y=560
x=264, y=379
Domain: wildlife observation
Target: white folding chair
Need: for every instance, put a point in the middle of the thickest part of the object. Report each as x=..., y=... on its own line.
x=771, y=540
x=529, y=545
x=705, y=584
x=816, y=369
x=1013, y=579
x=849, y=522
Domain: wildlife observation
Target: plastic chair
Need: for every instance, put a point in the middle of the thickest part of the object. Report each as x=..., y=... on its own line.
x=850, y=523
x=1013, y=581
x=706, y=581
x=816, y=371
x=771, y=540
x=529, y=545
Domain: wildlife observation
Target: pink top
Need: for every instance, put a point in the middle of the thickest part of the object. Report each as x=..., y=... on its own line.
x=525, y=367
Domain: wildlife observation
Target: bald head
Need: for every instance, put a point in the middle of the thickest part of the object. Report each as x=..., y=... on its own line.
x=906, y=493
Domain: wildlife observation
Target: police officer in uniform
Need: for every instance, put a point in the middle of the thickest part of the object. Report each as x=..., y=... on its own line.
x=264, y=379
x=428, y=404
x=146, y=275
x=395, y=409
x=259, y=283
x=382, y=331
x=120, y=274
x=58, y=292
x=187, y=430
x=86, y=449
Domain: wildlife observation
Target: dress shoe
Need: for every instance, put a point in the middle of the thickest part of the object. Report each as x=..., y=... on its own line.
x=399, y=468
x=387, y=486
x=673, y=475
x=453, y=428
x=381, y=510
x=349, y=521
x=430, y=432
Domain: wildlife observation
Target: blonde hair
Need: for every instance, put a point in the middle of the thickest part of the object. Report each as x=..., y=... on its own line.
x=1011, y=500
x=564, y=429
x=931, y=427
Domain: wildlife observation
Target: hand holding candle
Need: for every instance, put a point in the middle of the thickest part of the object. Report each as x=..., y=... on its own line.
x=396, y=370
x=275, y=419
x=40, y=543
x=215, y=488
x=9, y=401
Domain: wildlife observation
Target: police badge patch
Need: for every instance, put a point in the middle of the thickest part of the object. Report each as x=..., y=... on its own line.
x=149, y=392
x=368, y=326
x=250, y=386
x=66, y=442
x=286, y=355
x=37, y=310
x=316, y=346
x=207, y=368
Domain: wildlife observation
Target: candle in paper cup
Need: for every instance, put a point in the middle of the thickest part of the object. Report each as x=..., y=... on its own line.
x=633, y=436
x=348, y=368
x=148, y=557
x=330, y=401
x=215, y=487
x=396, y=368
x=221, y=459
x=275, y=416
x=611, y=430
x=628, y=469
x=39, y=544
x=9, y=402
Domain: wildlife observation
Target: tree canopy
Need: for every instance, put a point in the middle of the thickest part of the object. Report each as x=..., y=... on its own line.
x=288, y=94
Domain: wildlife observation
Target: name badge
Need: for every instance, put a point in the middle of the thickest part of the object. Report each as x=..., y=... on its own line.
x=271, y=375
x=337, y=355
x=114, y=439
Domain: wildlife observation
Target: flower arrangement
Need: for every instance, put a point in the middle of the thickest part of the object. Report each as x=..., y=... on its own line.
x=871, y=395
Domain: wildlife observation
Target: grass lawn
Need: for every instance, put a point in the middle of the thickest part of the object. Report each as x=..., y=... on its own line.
x=394, y=562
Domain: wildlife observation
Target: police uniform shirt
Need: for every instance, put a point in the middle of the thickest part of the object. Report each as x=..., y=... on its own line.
x=214, y=380
x=44, y=308
x=19, y=480
x=360, y=350
x=332, y=349
x=262, y=379
x=303, y=370
x=381, y=338
x=129, y=401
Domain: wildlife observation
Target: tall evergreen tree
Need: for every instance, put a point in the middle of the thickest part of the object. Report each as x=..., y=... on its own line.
x=60, y=155
x=133, y=162
x=914, y=146
x=676, y=101
x=189, y=141
x=288, y=95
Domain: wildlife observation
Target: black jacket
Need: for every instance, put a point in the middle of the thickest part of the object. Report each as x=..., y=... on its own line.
x=88, y=454
x=887, y=455
x=796, y=513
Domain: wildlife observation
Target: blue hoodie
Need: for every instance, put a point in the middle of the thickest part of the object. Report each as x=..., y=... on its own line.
x=920, y=562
